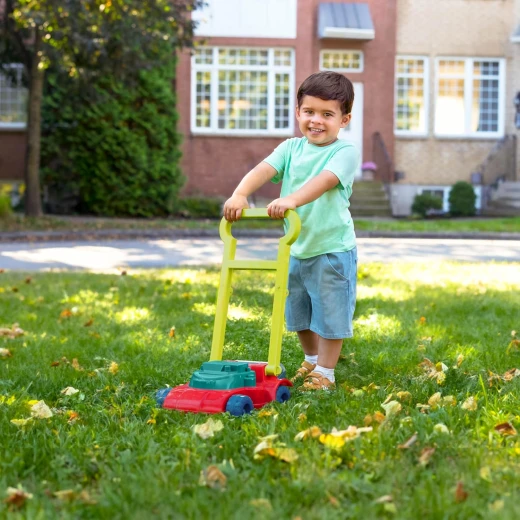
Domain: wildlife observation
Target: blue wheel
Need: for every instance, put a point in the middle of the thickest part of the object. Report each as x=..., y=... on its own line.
x=161, y=395
x=283, y=393
x=283, y=373
x=238, y=405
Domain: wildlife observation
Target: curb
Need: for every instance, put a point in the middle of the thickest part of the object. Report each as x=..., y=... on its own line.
x=140, y=234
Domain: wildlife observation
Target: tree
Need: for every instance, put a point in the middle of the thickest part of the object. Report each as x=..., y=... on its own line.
x=88, y=38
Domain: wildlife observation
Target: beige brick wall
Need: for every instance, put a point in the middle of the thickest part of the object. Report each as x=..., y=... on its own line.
x=454, y=28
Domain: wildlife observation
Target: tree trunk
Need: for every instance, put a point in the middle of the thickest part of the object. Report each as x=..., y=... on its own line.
x=33, y=204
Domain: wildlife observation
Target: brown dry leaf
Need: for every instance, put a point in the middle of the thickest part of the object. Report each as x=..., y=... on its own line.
x=208, y=429
x=55, y=364
x=14, y=332
x=379, y=417
x=309, y=433
x=89, y=322
x=28, y=280
x=422, y=320
x=460, y=493
x=65, y=313
x=113, y=368
x=5, y=353
x=426, y=455
x=410, y=442
x=506, y=429
x=212, y=477
x=75, y=365
x=513, y=346
x=511, y=374
x=73, y=416
x=172, y=332
x=470, y=404
x=367, y=419
x=16, y=497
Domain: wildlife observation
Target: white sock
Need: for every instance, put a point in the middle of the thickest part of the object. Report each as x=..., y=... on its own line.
x=326, y=372
x=311, y=359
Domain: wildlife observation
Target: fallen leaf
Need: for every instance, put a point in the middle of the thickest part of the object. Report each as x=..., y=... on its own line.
x=511, y=374
x=14, y=332
x=55, y=364
x=384, y=499
x=367, y=419
x=470, y=404
x=75, y=365
x=16, y=497
x=113, y=368
x=89, y=323
x=435, y=400
x=269, y=448
x=378, y=417
x=172, y=332
x=265, y=413
x=5, y=353
x=208, y=429
x=404, y=396
x=338, y=438
x=28, y=280
x=425, y=456
x=65, y=495
x=69, y=390
x=506, y=429
x=496, y=506
x=212, y=477
x=441, y=428
x=485, y=473
x=40, y=410
x=460, y=359
x=21, y=422
x=513, y=346
x=261, y=503
x=309, y=433
x=422, y=320
x=460, y=493
x=73, y=416
x=410, y=442
x=392, y=408
x=65, y=313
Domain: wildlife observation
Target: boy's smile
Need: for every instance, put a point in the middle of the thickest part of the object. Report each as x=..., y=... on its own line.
x=320, y=120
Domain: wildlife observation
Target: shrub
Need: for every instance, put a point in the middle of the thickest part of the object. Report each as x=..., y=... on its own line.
x=199, y=207
x=111, y=148
x=462, y=200
x=424, y=203
x=5, y=206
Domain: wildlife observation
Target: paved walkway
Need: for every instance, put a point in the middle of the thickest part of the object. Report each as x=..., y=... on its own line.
x=107, y=255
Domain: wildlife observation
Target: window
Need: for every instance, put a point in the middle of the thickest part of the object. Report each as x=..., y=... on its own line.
x=411, y=96
x=13, y=98
x=443, y=192
x=470, y=97
x=242, y=91
x=341, y=61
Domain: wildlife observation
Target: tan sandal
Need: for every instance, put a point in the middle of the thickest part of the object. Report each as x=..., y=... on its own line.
x=304, y=370
x=317, y=381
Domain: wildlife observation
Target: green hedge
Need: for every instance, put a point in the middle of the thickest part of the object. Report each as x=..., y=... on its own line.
x=424, y=203
x=462, y=200
x=110, y=148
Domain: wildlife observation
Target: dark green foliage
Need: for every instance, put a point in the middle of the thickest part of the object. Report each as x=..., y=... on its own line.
x=200, y=207
x=5, y=206
x=111, y=148
x=424, y=203
x=462, y=200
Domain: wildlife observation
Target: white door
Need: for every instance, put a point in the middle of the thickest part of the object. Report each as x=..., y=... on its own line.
x=354, y=131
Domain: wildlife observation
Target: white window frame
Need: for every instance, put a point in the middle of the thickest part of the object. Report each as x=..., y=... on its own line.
x=20, y=125
x=343, y=51
x=271, y=69
x=446, y=195
x=468, y=97
x=426, y=93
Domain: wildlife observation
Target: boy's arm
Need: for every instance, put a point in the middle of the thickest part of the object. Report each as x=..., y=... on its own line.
x=310, y=191
x=256, y=178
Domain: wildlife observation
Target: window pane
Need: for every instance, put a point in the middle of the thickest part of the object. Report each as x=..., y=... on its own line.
x=451, y=67
x=449, y=107
x=281, y=117
x=283, y=58
x=13, y=96
x=243, y=57
x=410, y=110
x=203, y=100
x=341, y=60
x=484, y=108
x=204, y=56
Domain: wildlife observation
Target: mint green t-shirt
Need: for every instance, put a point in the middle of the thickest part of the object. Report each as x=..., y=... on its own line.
x=327, y=226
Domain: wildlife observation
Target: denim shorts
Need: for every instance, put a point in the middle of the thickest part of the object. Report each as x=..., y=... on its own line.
x=322, y=294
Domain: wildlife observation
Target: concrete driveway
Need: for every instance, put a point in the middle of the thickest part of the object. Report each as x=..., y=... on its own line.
x=108, y=255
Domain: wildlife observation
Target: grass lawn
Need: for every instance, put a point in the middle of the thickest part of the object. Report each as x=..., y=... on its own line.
x=55, y=223
x=434, y=450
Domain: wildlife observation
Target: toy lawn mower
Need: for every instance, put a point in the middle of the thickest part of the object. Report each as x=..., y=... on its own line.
x=239, y=386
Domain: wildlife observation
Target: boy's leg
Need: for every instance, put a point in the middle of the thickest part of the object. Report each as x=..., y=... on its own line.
x=309, y=341
x=328, y=352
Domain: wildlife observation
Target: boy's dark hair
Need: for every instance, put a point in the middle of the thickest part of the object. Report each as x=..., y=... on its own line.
x=328, y=85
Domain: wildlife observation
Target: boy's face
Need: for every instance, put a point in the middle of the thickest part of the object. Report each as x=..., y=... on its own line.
x=320, y=120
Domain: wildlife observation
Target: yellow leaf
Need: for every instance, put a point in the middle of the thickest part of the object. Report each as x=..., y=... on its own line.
x=212, y=477
x=261, y=503
x=113, y=368
x=485, y=473
x=21, y=422
x=40, y=410
x=65, y=495
x=332, y=441
x=460, y=359
x=69, y=390
x=172, y=332
x=286, y=454
x=470, y=404
x=265, y=413
x=378, y=417
x=435, y=400
x=73, y=416
x=5, y=353
x=309, y=433
x=449, y=400
x=208, y=429
x=441, y=428
x=32, y=402
x=367, y=419
x=496, y=506
x=392, y=408
x=404, y=396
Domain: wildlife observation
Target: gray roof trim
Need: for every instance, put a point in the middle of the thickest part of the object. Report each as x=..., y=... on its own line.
x=345, y=20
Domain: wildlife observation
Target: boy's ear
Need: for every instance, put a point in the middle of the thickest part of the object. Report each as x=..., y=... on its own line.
x=345, y=120
x=297, y=112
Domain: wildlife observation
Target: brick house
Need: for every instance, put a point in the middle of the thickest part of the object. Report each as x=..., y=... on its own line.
x=432, y=101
